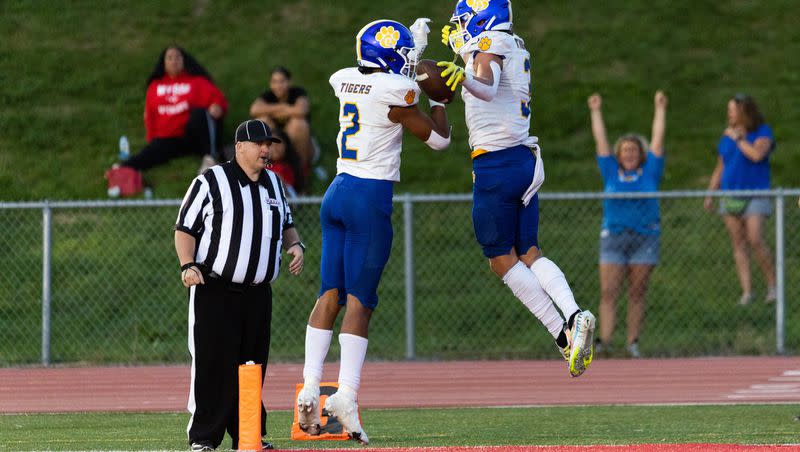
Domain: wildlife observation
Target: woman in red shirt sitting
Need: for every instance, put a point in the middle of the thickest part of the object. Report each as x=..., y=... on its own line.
x=183, y=112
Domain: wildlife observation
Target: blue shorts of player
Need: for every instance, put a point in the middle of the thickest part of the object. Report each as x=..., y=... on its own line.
x=500, y=220
x=629, y=247
x=356, y=219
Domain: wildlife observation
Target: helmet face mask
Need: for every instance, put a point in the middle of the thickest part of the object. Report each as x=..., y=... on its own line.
x=389, y=46
x=409, y=56
x=460, y=35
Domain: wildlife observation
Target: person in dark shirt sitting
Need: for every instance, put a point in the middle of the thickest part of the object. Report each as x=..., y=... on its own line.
x=286, y=109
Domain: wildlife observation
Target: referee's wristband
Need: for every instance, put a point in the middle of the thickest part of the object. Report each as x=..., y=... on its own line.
x=299, y=242
x=185, y=267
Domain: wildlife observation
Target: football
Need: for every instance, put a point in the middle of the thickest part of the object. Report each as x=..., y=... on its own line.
x=430, y=81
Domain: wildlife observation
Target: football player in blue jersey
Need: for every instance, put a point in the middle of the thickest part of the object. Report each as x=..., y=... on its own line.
x=378, y=99
x=508, y=169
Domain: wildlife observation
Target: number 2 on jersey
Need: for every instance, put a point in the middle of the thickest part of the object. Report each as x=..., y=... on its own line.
x=525, y=105
x=349, y=111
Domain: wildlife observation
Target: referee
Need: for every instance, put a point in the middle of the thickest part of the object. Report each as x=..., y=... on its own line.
x=231, y=227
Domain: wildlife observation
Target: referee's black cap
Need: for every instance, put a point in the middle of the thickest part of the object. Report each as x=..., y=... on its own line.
x=255, y=130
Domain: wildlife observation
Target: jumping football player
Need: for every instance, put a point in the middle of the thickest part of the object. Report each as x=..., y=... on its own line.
x=508, y=169
x=378, y=99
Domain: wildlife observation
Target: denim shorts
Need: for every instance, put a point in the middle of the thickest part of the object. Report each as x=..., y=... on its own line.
x=755, y=206
x=629, y=248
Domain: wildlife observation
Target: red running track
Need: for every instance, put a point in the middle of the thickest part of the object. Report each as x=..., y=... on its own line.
x=427, y=384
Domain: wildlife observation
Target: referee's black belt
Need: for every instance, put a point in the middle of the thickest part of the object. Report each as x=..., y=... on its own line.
x=237, y=287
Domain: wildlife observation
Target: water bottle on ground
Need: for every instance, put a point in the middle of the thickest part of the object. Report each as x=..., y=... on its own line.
x=113, y=192
x=124, y=148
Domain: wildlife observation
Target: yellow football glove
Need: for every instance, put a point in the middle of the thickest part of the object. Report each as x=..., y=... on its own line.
x=446, y=30
x=447, y=35
x=455, y=71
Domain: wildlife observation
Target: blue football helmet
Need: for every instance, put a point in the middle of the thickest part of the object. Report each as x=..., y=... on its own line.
x=473, y=17
x=388, y=45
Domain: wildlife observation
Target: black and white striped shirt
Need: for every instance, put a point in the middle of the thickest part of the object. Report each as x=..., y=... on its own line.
x=238, y=224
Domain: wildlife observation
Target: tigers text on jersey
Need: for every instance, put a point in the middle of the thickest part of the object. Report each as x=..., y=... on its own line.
x=369, y=142
x=505, y=121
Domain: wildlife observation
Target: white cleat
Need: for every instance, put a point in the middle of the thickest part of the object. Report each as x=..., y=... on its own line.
x=345, y=410
x=308, y=410
x=582, y=347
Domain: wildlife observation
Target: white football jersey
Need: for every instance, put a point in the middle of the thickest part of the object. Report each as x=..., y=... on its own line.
x=505, y=121
x=369, y=143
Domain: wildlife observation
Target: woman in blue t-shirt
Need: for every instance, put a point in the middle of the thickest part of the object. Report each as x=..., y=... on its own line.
x=629, y=239
x=743, y=164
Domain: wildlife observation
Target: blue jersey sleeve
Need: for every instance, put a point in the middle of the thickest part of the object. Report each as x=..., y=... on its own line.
x=608, y=167
x=654, y=166
x=765, y=131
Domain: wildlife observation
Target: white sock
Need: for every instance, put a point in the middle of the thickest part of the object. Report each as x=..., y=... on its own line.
x=354, y=349
x=527, y=288
x=555, y=284
x=317, y=343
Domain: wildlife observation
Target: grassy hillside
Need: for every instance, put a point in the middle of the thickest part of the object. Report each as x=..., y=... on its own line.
x=72, y=75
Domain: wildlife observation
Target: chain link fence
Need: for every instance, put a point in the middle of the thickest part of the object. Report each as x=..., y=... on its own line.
x=107, y=288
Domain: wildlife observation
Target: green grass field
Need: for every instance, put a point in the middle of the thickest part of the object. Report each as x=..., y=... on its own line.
x=73, y=80
x=72, y=76
x=743, y=424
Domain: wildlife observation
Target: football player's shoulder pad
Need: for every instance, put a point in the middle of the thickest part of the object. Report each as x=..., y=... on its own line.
x=398, y=90
x=494, y=42
x=337, y=76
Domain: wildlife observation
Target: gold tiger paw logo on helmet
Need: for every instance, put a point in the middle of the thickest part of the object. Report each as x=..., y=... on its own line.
x=387, y=37
x=484, y=44
x=478, y=5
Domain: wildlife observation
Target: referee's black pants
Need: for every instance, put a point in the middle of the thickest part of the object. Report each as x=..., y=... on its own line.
x=228, y=326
